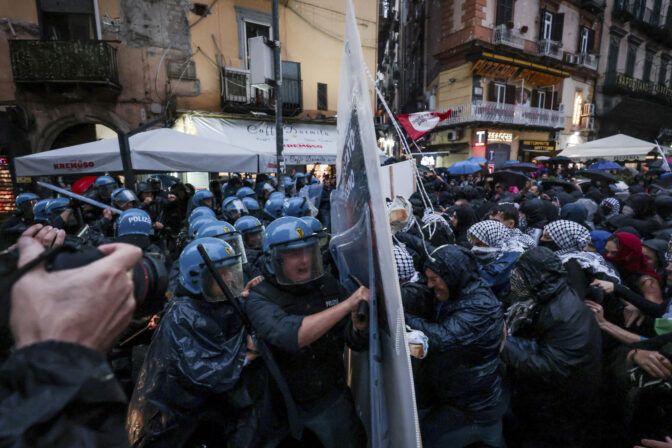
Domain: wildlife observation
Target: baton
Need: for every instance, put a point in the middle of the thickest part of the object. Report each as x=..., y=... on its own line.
x=79, y=197
x=295, y=425
x=363, y=308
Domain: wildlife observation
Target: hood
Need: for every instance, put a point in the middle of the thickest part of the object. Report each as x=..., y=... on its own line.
x=660, y=247
x=574, y=212
x=465, y=218
x=641, y=204
x=457, y=267
x=664, y=206
x=543, y=271
x=535, y=213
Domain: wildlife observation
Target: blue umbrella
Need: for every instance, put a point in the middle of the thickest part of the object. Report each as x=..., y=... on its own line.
x=476, y=159
x=605, y=165
x=464, y=167
x=510, y=162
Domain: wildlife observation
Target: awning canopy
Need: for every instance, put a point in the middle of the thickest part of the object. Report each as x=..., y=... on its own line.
x=617, y=147
x=495, y=65
x=155, y=151
x=304, y=143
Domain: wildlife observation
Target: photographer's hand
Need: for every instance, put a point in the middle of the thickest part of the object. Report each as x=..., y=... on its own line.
x=90, y=305
x=48, y=236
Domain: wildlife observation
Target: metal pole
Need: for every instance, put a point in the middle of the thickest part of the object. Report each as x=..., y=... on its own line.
x=279, y=134
x=125, y=150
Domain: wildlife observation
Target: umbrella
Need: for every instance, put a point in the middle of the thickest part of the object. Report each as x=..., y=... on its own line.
x=605, y=165
x=524, y=166
x=476, y=159
x=598, y=176
x=508, y=163
x=511, y=178
x=567, y=186
x=541, y=158
x=560, y=160
x=463, y=167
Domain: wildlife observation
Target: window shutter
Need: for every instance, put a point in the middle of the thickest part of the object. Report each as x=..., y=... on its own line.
x=535, y=98
x=591, y=41
x=510, y=94
x=556, y=29
x=541, y=24
x=492, y=94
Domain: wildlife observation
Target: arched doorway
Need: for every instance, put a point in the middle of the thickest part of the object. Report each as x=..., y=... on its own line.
x=82, y=133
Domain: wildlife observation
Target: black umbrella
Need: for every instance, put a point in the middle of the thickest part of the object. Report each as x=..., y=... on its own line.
x=561, y=160
x=511, y=178
x=598, y=175
x=526, y=167
x=567, y=186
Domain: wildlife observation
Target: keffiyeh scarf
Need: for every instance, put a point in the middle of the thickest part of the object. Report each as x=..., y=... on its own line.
x=496, y=235
x=614, y=204
x=405, y=267
x=572, y=237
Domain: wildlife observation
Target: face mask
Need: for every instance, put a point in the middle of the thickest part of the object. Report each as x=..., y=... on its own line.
x=486, y=255
x=549, y=244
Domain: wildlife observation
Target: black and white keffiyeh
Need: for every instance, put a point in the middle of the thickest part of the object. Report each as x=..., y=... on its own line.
x=615, y=206
x=571, y=238
x=405, y=268
x=496, y=235
x=432, y=220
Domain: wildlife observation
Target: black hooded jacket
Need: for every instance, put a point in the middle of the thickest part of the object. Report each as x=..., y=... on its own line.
x=558, y=369
x=464, y=339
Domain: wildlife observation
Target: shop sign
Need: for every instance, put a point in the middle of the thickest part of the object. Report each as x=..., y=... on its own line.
x=496, y=136
x=537, y=145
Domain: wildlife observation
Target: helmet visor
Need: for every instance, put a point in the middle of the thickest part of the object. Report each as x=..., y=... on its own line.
x=236, y=242
x=232, y=276
x=235, y=209
x=253, y=238
x=297, y=265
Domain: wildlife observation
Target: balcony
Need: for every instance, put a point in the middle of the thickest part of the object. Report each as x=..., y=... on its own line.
x=615, y=83
x=504, y=35
x=549, y=48
x=511, y=114
x=64, y=62
x=239, y=96
x=593, y=5
x=587, y=60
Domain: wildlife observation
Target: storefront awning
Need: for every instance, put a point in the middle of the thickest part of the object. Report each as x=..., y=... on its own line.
x=617, y=147
x=499, y=66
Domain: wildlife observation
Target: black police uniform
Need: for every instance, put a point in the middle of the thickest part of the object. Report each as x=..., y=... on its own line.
x=315, y=374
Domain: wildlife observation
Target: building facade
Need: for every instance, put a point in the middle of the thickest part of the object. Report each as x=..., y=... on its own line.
x=634, y=92
x=519, y=77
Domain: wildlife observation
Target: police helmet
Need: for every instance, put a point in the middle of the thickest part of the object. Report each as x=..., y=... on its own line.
x=134, y=222
x=55, y=207
x=105, y=181
x=24, y=198
x=200, y=212
x=251, y=204
x=318, y=229
x=200, y=196
x=225, y=232
x=40, y=212
x=233, y=208
x=198, y=223
x=276, y=194
x=299, y=176
x=143, y=187
x=273, y=207
x=298, y=207
x=288, y=182
x=195, y=277
x=292, y=251
x=155, y=184
x=244, y=192
x=314, y=180
x=116, y=192
x=252, y=230
x=124, y=197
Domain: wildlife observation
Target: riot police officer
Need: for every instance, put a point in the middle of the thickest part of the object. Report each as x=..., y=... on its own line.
x=104, y=186
x=306, y=319
x=154, y=205
x=252, y=207
x=297, y=207
x=233, y=208
x=273, y=209
x=252, y=231
x=199, y=382
x=20, y=220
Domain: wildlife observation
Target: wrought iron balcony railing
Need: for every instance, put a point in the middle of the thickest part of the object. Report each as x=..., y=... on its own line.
x=587, y=60
x=511, y=37
x=239, y=95
x=64, y=62
x=620, y=83
x=513, y=114
x=549, y=48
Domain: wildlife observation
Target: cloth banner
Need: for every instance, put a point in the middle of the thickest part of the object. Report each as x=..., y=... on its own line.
x=420, y=123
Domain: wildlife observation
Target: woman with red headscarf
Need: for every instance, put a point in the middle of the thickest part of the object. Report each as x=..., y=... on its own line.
x=641, y=287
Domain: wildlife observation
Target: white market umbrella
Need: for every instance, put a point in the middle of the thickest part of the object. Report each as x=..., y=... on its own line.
x=616, y=147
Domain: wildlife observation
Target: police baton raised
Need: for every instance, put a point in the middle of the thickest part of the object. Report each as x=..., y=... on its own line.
x=79, y=197
x=295, y=425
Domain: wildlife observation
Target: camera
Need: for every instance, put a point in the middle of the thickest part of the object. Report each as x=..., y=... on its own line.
x=150, y=281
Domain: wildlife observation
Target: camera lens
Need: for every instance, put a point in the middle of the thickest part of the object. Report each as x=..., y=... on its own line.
x=150, y=281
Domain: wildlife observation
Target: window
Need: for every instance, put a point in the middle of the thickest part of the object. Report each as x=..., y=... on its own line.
x=550, y=27
x=541, y=99
x=648, y=61
x=72, y=20
x=630, y=59
x=612, y=61
x=586, y=40
x=321, y=96
x=578, y=106
x=662, y=74
x=500, y=93
x=291, y=85
x=251, y=23
x=504, y=11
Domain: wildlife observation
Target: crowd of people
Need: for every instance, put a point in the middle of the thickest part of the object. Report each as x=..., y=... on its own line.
x=544, y=310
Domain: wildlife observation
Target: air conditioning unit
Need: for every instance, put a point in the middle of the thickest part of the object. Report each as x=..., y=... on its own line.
x=588, y=109
x=571, y=58
x=452, y=135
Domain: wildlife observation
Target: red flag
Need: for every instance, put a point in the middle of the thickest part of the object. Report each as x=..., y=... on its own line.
x=420, y=123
